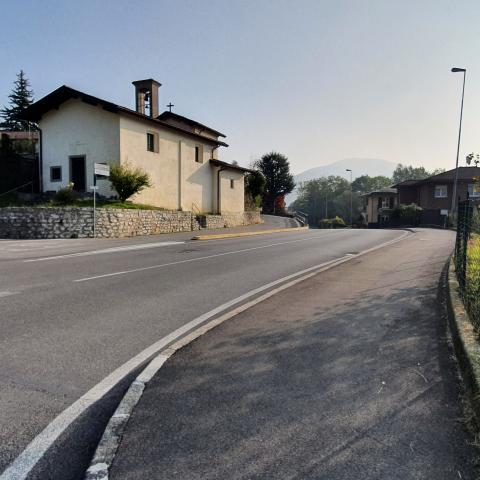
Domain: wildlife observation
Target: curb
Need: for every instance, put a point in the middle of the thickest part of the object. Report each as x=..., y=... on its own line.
x=465, y=341
x=248, y=234
x=107, y=448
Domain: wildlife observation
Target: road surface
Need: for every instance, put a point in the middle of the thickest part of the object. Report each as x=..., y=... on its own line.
x=68, y=321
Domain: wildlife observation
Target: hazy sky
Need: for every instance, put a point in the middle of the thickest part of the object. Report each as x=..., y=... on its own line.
x=317, y=80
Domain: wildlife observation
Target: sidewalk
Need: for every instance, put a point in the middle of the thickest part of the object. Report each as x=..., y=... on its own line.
x=345, y=376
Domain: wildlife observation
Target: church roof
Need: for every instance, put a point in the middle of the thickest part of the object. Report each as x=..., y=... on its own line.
x=165, y=116
x=54, y=99
x=229, y=166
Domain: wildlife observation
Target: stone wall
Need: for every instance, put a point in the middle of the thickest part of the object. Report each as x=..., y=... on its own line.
x=70, y=222
x=129, y=223
x=230, y=220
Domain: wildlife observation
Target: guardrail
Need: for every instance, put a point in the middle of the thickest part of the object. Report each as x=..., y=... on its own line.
x=301, y=217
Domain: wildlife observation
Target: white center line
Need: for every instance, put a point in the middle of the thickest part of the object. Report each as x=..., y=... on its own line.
x=152, y=267
x=125, y=248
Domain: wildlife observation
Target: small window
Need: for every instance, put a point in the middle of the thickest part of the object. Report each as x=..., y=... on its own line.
x=55, y=174
x=198, y=154
x=232, y=183
x=150, y=142
x=440, y=191
x=474, y=190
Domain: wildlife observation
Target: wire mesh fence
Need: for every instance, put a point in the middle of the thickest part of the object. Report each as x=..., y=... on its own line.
x=467, y=258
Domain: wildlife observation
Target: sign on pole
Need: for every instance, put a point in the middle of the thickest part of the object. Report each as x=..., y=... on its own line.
x=102, y=169
x=94, y=188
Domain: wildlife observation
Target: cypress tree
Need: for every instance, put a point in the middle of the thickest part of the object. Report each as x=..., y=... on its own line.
x=20, y=98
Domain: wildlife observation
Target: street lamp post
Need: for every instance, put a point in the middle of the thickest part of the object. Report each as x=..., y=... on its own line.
x=454, y=193
x=351, y=193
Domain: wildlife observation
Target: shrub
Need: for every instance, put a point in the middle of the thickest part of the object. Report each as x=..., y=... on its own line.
x=128, y=181
x=336, y=222
x=65, y=195
x=407, y=211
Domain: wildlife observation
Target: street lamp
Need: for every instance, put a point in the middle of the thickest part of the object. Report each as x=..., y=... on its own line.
x=351, y=188
x=454, y=195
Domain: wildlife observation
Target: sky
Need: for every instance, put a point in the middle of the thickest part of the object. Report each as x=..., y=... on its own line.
x=318, y=81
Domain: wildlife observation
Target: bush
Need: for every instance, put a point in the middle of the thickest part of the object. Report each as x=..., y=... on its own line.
x=65, y=195
x=336, y=222
x=128, y=181
x=407, y=211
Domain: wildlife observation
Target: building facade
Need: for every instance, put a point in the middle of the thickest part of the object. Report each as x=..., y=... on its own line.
x=432, y=194
x=180, y=155
x=378, y=206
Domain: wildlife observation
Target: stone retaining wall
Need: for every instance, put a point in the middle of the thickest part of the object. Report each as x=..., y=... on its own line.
x=71, y=222
x=230, y=220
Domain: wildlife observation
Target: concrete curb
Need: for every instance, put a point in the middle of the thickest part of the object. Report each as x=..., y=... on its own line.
x=465, y=341
x=247, y=234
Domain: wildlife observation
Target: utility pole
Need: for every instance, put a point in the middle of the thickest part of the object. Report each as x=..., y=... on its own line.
x=455, y=182
x=351, y=196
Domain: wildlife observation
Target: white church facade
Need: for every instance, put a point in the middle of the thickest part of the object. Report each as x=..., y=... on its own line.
x=179, y=154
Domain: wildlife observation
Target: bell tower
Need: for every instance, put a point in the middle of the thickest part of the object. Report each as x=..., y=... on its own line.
x=146, y=97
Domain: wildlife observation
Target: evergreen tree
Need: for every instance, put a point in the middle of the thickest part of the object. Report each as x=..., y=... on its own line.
x=20, y=98
x=279, y=181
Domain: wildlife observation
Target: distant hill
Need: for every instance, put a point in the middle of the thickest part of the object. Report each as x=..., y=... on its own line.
x=359, y=167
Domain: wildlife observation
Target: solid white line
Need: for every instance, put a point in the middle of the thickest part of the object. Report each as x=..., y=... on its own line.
x=7, y=293
x=139, y=246
x=197, y=259
x=21, y=467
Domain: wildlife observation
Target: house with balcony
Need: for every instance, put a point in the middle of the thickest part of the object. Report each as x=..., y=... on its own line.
x=378, y=206
x=432, y=194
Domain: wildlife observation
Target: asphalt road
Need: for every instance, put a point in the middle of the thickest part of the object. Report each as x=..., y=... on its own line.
x=345, y=376
x=68, y=322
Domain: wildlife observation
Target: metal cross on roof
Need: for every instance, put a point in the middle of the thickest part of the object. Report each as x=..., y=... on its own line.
x=170, y=105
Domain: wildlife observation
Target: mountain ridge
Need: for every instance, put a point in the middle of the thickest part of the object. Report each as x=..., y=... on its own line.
x=359, y=166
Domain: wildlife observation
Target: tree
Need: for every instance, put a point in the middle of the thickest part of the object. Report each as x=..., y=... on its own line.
x=326, y=197
x=279, y=181
x=255, y=183
x=20, y=98
x=407, y=172
x=366, y=184
x=128, y=181
x=254, y=189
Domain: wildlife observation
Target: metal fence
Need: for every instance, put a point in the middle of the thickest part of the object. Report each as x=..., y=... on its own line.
x=467, y=258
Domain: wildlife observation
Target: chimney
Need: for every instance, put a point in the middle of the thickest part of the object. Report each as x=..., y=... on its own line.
x=146, y=96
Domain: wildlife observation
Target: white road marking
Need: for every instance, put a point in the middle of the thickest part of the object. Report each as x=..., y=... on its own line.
x=125, y=248
x=7, y=293
x=197, y=259
x=21, y=467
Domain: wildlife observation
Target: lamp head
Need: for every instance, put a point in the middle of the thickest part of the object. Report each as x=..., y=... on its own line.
x=455, y=70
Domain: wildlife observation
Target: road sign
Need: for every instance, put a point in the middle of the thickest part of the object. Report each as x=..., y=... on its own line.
x=93, y=187
x=102, y=169
x=443, y=211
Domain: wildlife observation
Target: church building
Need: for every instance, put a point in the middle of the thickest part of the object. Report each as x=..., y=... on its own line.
x=180, y=155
